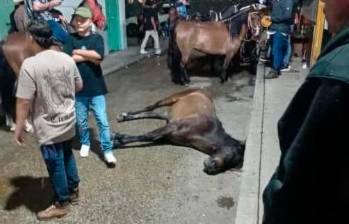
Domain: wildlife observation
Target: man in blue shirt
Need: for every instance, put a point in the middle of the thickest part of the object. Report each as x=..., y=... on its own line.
x=282, y=19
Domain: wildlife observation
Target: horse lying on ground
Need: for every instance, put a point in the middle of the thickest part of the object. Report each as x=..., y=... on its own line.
x=212, y=38
x=191, y=122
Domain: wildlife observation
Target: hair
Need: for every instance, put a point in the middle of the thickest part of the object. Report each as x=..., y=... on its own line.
x=150, y=2
x=41, y=33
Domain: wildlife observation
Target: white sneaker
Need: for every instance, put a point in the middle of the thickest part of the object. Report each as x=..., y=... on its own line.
x=109, y=157
x=158, y=52
x=10, y=123
x=286, y=69
x=142, y=51
x=28, y=127
x=84, y=150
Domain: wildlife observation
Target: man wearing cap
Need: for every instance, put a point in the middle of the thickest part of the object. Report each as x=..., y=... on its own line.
x=87, y=49
x=47, y=84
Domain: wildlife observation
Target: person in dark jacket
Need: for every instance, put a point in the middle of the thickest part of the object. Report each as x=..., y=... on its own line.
x=311, y=183
x=282, y=19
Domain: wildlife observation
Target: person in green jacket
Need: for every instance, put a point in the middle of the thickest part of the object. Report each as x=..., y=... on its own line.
x=311, y=182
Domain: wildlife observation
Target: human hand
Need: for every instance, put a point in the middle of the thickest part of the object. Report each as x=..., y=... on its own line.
x=76, y=51
x=55, y=2
x=19, y=136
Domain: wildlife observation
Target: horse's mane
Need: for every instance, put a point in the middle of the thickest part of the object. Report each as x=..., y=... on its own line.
x=241, y=11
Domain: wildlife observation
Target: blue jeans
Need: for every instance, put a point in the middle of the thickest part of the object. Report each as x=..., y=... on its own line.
x=98, y=106
x=61, y=166
x=279, y=50
x=58, y=32
x=288, y=54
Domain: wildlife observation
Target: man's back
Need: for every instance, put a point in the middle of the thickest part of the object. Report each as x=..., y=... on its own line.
x=281, y=15
x=49, y=80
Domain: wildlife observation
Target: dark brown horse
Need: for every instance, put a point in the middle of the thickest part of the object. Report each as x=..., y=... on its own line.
x=19, y=46
x=191, y=122
x=212, y=38
x=13, y=50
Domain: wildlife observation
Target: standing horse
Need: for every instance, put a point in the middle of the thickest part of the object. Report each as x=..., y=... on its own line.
x=212, y=38
x=19, y=46
x=13, y=50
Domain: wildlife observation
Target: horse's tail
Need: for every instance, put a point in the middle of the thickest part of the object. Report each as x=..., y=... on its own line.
x=7, y=83
x=2, y=60
x=174, y=53
x=2, y=56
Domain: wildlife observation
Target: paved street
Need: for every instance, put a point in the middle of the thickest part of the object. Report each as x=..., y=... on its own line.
x=150, y=184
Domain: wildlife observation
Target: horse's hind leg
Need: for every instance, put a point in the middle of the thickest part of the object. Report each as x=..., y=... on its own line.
x=155, y=135
x=184, y=73
x=7, y=96
x=144, y=115
x=168, y=101
x=224, y=73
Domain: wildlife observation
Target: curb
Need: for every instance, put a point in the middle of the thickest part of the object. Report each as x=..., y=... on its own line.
x=250, y=194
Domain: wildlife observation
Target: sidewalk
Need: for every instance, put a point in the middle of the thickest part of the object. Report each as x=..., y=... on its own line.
x=122, y=59
x=271, y=98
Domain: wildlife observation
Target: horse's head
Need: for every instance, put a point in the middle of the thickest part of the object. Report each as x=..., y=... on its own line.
x=227, y=157
x=254, y=20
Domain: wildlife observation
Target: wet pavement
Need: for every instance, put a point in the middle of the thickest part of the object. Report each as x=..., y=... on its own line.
x=160, y=184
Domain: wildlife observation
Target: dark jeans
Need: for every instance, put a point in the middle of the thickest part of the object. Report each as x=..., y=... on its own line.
x=279, y=50
x=58, y=32
x=61, y=167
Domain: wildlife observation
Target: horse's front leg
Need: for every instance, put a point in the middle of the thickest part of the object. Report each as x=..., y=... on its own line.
x=155, y=135
x=224, y=72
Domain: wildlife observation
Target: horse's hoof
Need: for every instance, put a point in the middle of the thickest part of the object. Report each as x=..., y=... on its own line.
x=121, y=117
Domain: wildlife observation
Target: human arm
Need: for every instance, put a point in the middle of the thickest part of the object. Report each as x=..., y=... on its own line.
x=94, y=53
x=22, y=111
x=80, y=55
x=25, y=94
x=97, y=14
x=153, y=22
x=87, y=54
x=77, y=79
x=38, y=6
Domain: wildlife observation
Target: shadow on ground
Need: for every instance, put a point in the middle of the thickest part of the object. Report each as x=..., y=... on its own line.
x=32, y=192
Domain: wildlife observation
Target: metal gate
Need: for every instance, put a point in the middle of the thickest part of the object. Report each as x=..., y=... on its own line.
x=6, y=7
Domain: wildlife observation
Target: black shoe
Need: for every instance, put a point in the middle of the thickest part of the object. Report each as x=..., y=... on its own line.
x=272, y=75
x=74, y=196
